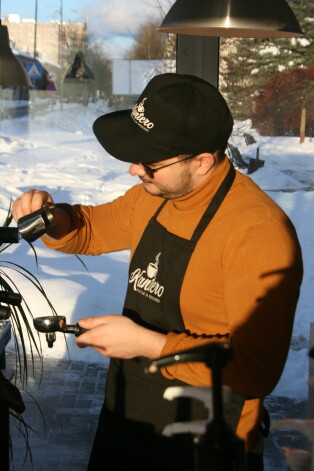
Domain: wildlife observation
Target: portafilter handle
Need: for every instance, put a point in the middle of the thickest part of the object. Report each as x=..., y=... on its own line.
x=34, y=225
x=49, y=325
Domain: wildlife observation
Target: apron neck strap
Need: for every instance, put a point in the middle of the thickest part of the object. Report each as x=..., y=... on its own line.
x=159, y=209
x=213, y=206
x=215, y=203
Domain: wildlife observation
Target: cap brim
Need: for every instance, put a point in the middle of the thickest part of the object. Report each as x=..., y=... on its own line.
x=120, y=137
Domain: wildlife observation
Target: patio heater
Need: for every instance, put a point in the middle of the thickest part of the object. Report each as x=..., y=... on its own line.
x=200, y=23
x=12, y=72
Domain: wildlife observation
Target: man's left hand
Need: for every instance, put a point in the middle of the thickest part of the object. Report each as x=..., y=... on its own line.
x=117, y=336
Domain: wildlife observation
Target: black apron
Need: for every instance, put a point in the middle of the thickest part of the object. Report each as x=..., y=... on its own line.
x=135, y=413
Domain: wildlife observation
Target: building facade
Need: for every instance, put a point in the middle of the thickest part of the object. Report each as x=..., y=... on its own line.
x=53, y=41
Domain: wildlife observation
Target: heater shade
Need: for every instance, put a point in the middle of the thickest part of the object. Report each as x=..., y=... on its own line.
x=79, y=70
x=12, y=72
x=232, y=18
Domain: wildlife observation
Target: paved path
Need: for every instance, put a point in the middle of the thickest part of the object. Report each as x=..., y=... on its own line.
x=70, y=396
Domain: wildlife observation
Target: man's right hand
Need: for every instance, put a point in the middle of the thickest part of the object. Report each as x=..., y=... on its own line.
x=31, y=201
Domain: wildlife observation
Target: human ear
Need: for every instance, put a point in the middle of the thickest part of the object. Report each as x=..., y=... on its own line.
x=206, y=162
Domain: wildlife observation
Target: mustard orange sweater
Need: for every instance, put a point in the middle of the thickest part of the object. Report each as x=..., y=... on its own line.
x=243, y=278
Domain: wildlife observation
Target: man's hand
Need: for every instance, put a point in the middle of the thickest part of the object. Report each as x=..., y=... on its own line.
x=117, y=336
x=29, y=202
x=33, y=200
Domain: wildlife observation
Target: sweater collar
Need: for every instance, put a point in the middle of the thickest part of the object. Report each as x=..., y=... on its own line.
x=204, y=193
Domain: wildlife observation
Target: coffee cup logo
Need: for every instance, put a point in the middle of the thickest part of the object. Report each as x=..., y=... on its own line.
x=152, y=268
x=140, y=106
x=144, y=281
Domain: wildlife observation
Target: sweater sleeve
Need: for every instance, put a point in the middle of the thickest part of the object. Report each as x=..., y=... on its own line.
x=99, y=229
x=262, y=273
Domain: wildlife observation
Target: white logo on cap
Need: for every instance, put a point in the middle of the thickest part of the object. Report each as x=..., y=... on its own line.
x=139, y=117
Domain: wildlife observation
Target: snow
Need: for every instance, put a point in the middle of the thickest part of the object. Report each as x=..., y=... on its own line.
x=57, y=152
x=274, y=50
x=303, y=41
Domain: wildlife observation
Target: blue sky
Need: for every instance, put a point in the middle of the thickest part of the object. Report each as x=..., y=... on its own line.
x=47, y=9
x=114, y=22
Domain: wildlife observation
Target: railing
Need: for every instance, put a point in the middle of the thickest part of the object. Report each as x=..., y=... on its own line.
x=300, y=459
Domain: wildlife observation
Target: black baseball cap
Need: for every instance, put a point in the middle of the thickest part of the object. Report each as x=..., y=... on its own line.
x=175, y=114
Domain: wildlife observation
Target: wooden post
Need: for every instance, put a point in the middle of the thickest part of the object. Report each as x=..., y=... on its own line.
x=302, y=124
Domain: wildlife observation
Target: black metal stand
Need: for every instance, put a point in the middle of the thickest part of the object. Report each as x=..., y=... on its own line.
x=219, y=449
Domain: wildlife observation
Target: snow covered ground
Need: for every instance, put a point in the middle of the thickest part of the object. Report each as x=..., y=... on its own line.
x=58, y=152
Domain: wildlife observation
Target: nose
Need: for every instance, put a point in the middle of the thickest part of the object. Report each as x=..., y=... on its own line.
x=137, y=169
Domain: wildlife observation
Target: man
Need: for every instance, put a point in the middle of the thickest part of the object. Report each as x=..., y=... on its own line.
x=213, y=258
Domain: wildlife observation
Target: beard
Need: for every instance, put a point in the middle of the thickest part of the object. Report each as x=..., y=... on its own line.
x=181, y=187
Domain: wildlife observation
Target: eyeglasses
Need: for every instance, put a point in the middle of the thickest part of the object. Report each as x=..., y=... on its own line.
x=151, y=171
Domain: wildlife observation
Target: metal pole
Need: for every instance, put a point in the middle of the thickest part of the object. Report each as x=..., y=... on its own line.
x=311, y=390
x=60, y=52
x=311, y=377
x=130, y=80
x=35, y=30
x=198, y=55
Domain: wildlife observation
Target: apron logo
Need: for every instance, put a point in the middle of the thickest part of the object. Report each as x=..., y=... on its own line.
x=144, y=281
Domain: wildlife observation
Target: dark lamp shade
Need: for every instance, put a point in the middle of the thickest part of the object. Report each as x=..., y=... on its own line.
x=12, y=71
x=232, y=18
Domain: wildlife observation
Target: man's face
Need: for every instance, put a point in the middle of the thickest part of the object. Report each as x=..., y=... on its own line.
x=170, y=182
